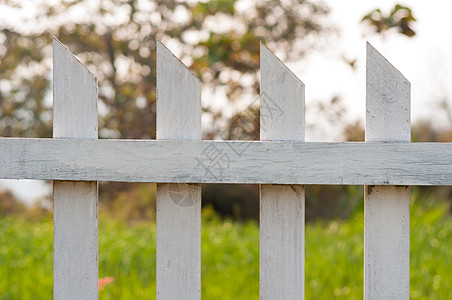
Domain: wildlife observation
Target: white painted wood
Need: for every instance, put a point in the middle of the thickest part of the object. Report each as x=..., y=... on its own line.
x=75, y=203
x=178, y=205
x=386, y=208
x=281, y=206
x=282, y=100
x=387, y=101
x=277, y=162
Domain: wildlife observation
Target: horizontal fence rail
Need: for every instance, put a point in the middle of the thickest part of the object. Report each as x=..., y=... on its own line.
x=277, y=162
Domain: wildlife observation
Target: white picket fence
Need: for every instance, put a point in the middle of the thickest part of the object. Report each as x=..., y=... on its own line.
x=179, y=162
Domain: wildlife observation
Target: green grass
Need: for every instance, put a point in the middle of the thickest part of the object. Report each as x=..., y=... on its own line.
x=230, y=257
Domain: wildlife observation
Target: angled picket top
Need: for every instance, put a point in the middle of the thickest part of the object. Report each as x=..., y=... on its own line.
x=179, y=161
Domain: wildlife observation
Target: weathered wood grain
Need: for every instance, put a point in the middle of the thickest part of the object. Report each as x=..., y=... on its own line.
x=75, y=203
x=386, y=208
x=281, y=206
x=178, y=204
x=272, y=162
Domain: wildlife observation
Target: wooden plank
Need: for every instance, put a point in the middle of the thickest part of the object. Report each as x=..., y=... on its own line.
x=75, y=203
x=386, y=208
x=178, y=205
x=175, y=161
x=281, y=206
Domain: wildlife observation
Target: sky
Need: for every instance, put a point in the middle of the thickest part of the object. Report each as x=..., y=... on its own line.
x=425, y=60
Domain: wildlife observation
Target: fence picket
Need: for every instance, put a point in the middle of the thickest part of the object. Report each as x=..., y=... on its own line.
x=386, y=208
x=75, y=203
x=282, y=207
x=178, y=205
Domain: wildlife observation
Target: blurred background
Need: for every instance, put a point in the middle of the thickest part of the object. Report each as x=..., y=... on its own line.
x=323, y=43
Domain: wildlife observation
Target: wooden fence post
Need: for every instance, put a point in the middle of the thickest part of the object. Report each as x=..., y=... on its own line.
x=282, y=207
x=75, y=203
x=179, y=204
x=386, y=208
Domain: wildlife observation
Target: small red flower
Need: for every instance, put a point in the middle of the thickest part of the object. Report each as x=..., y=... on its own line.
x=104, y=281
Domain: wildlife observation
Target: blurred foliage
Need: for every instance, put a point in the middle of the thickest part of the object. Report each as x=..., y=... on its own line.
x=217, y=39
x=9, y=204
x=128, y=202
x=400, y=18
x=424, y=131
x=230, y=256
x=238, y=201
